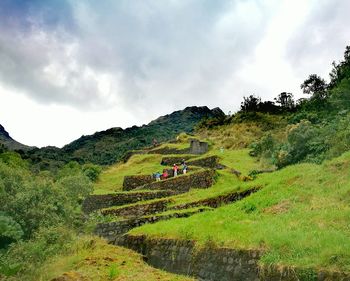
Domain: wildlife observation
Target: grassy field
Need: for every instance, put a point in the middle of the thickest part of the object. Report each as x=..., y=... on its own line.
x=300, y=218
x=93, y=258
x=112, y=178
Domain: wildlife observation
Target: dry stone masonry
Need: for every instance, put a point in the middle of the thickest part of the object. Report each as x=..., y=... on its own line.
x=97, y=202
x=111, y=230
x=217, y=264
x=138, y=210
x=202, y=179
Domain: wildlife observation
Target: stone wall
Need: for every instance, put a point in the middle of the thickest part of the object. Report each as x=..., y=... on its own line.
x=138, y=210
x=220, y=200
x=180, y=256
x=110, y=230
x=183, y=183
x=131, y=182
x=213, y=264
x=198, y=147
x=169, y=161
x=206, y=162
x=168, y=150
x=96, y=202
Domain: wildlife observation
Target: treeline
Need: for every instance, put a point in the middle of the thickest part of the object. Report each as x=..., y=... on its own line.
x=318, y=126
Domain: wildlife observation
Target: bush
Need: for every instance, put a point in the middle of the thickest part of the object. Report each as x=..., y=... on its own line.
x=92, y=171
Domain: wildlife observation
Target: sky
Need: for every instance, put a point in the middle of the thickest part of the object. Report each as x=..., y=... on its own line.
x=70, y=68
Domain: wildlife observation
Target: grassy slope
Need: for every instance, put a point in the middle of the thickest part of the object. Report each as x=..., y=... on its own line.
x=93, y=258
x=300, y=218
x=112, y=178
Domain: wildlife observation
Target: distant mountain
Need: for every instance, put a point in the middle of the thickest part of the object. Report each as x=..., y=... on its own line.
x=9, y=142
x=109, y=146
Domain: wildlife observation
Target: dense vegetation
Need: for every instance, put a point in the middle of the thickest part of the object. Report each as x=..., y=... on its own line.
x=40, y=213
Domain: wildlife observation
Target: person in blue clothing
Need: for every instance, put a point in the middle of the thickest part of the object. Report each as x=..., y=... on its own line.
x=157, y=176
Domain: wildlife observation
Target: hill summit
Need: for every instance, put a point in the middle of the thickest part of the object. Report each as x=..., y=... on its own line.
x=9, y=142
x=107, y=147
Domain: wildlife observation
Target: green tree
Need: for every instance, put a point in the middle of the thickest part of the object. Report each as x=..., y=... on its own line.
x=315, y=86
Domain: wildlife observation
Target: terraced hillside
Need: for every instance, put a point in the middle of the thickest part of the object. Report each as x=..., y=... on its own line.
x=290, y=224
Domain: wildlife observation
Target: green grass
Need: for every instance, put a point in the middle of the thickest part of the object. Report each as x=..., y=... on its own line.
x=93, y=258
x=111, y=180
x=300, y=218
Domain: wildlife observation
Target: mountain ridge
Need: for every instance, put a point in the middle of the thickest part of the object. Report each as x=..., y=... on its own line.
x=109, y=146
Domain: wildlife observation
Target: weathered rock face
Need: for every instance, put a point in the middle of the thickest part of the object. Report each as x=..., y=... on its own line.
x=198, y=147
x=138, y=210
x=183, y=183
x=96, y=202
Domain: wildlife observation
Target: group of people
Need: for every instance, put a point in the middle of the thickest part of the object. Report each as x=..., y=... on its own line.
x=158, y=176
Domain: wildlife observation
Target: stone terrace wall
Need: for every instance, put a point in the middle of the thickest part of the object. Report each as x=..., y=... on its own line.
x=179, y=256
x=203, y=179
x=139, y=210
x=214, y=264
x=131, y=182
x=112, y=229
x=169, y=161
x=96, y=202
x=207, y=162
x=217, y=201
x=167, y=150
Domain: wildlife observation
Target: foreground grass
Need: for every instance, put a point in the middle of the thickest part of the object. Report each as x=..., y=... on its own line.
x=300, y=218
x=93, y=258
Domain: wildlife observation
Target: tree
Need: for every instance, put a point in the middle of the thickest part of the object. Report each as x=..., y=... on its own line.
x=340, y=70
x=315, y=86
x=286, y=100
x=250, y=104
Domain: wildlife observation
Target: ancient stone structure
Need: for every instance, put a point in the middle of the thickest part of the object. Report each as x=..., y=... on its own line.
x=131, y=182
x=212, y=263
x=220, y=200
x=198, y=147
x=138, y=210
x=206, y=162
x=180, y=256
x=110, y=230
x=96, y=202
x=169, y=161
x=183, y=183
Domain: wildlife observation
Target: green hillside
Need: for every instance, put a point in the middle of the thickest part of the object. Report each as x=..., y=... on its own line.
x=273, y=184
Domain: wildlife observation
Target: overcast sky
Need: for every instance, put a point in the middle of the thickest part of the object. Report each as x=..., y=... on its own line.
x=70, y=68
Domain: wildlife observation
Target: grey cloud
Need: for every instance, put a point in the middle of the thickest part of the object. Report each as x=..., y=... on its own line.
x=167, y=53
x=321, y=38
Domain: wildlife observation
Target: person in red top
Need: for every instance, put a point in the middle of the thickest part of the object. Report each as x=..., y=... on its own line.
x=175, y=168
x=165, y=174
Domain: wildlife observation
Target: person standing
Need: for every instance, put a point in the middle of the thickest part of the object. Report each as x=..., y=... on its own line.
x=184, y=168
x=175, y=168
x=157, y=176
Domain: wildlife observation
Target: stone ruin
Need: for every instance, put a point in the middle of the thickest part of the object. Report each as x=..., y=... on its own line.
x=198, y=147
